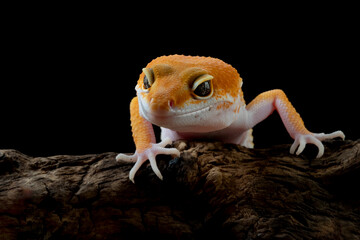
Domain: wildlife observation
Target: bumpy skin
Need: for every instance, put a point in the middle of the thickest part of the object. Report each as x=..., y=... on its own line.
x=168, y=97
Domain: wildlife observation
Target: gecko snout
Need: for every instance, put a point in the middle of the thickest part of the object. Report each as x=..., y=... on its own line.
x=161, y=106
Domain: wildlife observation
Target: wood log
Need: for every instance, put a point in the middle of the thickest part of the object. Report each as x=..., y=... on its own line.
x=212, y=191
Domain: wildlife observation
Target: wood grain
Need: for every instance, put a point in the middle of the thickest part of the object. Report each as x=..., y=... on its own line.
x=213, y=190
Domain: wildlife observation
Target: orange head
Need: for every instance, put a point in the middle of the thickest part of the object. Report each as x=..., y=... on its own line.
x=179, y=92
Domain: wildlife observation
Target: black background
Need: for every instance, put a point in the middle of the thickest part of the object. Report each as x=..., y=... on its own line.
x=69, y=72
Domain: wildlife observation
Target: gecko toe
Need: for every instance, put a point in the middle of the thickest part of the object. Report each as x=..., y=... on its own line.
x=154, y=166
x=135, y=168
x=126, y=158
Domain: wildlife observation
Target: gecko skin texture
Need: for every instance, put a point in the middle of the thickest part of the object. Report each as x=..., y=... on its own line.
x=201, y=98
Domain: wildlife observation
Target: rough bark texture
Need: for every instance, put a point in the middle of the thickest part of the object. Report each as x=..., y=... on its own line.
x=213, y=191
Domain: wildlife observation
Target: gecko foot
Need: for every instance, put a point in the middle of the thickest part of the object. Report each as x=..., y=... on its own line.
x=148, y=154
x=315, y=138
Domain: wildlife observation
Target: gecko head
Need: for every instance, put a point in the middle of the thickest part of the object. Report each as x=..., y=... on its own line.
x=189, y=94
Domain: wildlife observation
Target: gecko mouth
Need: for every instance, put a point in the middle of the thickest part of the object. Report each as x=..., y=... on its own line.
x=207, y=116
x=178, y=113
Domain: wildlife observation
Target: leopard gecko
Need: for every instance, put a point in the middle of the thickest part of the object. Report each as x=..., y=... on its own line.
x=201, y=97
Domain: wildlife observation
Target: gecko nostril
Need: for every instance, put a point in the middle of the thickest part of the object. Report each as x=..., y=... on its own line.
x=171, y=103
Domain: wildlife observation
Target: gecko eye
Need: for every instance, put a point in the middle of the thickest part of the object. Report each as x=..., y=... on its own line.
x=148, y=78
x=203, y=90
x=202, y=87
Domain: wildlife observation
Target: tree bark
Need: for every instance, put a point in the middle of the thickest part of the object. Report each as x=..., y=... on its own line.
x=212, y=191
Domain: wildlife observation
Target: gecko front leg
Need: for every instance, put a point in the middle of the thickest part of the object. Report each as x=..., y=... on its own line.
x=264, y=104
x=146, y=147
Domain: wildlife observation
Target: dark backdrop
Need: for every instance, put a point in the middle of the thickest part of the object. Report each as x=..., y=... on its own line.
x=68, y=75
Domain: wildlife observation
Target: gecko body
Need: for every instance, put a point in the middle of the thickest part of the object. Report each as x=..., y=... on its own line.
x=201, y=97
